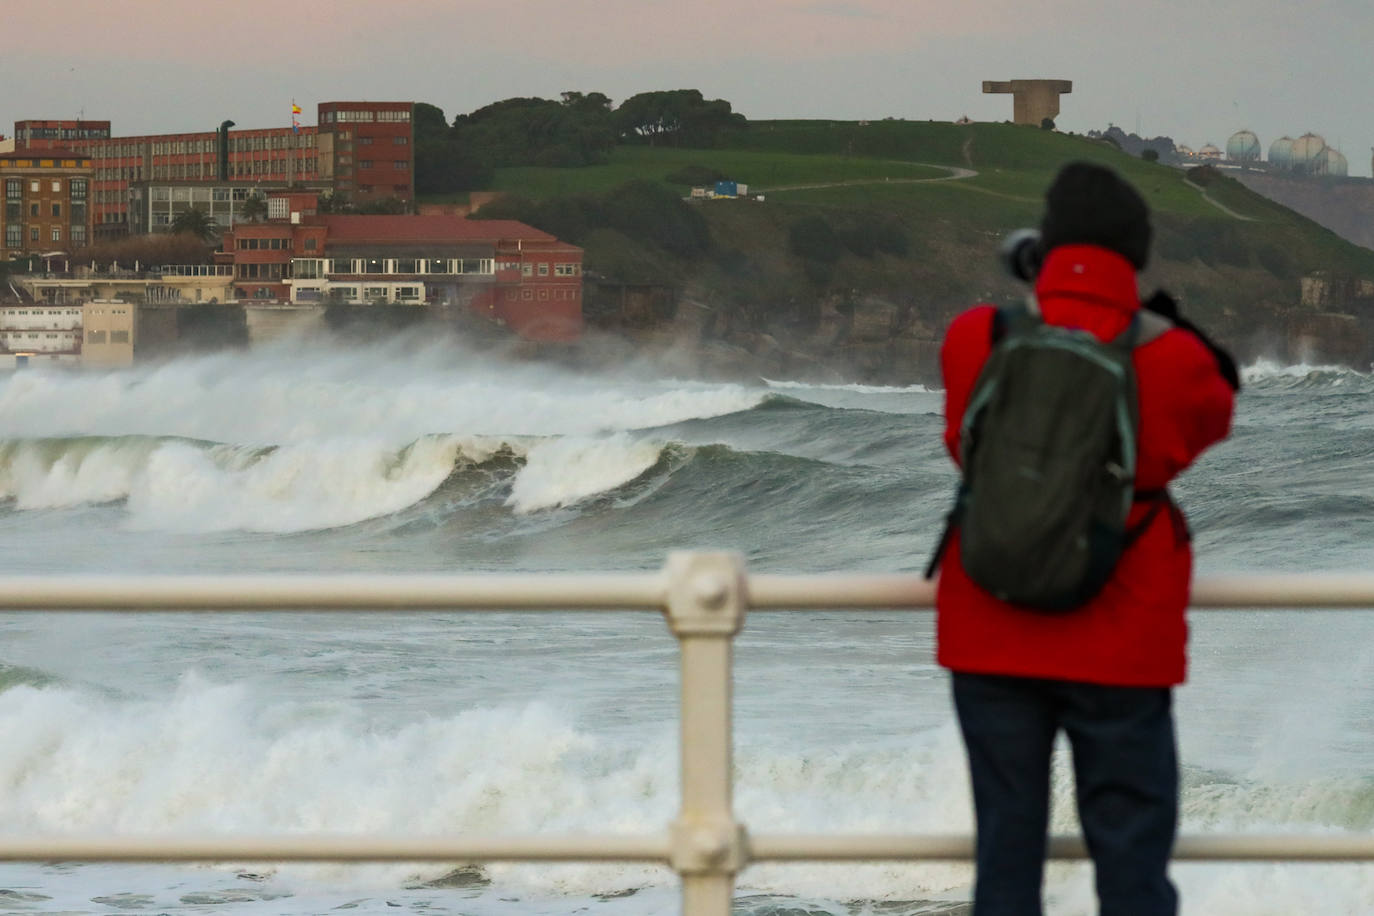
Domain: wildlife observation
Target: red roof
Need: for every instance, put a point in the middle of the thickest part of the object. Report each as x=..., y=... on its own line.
x=410, y=228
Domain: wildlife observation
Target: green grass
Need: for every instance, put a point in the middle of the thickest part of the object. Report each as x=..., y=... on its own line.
x=759, y=170
x=1232, y=271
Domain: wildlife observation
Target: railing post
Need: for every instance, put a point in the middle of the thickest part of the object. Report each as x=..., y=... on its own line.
x=705, y=609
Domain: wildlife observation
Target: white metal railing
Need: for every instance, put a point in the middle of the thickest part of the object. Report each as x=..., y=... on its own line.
x=704, y=597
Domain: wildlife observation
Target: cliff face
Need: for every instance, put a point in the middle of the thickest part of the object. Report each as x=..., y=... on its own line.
x=1346, y=207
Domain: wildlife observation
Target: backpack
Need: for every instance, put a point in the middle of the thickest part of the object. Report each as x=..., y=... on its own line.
x=1048, y=449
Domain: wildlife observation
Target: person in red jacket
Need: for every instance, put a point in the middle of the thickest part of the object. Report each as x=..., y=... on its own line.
x=1103, y=672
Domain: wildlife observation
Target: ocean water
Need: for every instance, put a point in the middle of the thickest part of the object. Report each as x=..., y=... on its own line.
x=414, y=456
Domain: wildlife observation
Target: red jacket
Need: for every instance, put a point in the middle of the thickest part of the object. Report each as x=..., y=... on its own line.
x=1133, y=632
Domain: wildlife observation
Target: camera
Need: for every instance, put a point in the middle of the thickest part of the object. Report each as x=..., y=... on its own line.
x=1021, y=254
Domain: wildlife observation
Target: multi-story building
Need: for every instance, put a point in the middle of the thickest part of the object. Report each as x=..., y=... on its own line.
x=46, y=201
x=504, y=270
x=369, y=155
x=155, y=205
x=366, y=149
x=98, y=333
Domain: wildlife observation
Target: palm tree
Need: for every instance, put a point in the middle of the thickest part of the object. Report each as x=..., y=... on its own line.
x=195, y=221
x=254, y=208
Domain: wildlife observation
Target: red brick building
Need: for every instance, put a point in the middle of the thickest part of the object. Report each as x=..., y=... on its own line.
x=377, y=133
x=507, y=271
x=367, y=149
x=46, y=201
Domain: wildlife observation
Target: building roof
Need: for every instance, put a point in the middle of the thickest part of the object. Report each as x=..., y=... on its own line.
x=359, y=228
x=44, y=152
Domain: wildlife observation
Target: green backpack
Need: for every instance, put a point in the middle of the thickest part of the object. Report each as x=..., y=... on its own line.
x=1048, y=448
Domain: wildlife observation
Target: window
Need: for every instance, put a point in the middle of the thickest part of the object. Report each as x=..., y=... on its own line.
x=14, y=236
x=57, y=186
x=364, y=141
x=400, y=141
x=95, y=337
x=57, y=211
x=119, y=337
x=401, y=165
x=310, y=244
x=14, y=189
x=33, y=186
x=56, y=234
x=77, y=187
x=33, y=233
x=543, y=270
x=78, y=235
x=565, y=270
x=33, y=209
x=362, y=163
x=527, y=270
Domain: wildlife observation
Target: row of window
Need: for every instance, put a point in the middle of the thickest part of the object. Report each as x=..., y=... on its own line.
x=98, y=337
x=14, y=187
x=395, y=141
x=14, y=235
x=13, y=212
x=63, y=133
x=303, y=166
x=318, y=268
x=353, y=116
x=353, y=294
x=267, y=244
x=566, y=293
x=259, y=271
x=400, y=165
x=529, y=269
x=10, y=313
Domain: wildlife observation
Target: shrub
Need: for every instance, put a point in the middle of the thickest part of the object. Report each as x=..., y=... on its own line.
x=812, y=239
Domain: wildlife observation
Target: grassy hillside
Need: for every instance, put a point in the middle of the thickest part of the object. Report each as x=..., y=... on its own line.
x=1235, y=258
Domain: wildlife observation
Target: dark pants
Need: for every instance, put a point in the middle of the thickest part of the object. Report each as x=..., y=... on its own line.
x=1126, y=770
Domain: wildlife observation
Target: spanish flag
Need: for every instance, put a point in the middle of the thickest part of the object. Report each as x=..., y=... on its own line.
x=295, y=109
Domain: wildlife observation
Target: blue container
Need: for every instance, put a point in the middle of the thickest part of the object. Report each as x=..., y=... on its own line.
x=727, y=189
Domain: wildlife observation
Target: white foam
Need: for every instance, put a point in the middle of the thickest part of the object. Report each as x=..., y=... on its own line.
x=1266, y=369
x=46, y=475
x=560, y=472
x=275, y=397
x=225, y=759
x=853, y=387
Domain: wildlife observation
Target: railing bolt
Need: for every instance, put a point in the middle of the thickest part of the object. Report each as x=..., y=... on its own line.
x=711, y=591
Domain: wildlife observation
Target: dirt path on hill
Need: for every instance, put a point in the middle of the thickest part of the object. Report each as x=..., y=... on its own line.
x=955, y=173
x=1218, y=204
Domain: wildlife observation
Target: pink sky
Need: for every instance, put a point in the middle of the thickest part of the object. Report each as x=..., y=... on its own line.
x=1196, y=72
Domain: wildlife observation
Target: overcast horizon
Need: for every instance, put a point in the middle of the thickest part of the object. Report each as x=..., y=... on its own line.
x=1154, y=67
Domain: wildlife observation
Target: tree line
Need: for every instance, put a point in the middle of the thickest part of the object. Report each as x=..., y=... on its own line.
x=575, y=130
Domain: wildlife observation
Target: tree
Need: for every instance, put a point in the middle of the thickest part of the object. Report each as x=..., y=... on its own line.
x=195, y=221
x=1149, y=154
x=254, y=209
x=679, y=116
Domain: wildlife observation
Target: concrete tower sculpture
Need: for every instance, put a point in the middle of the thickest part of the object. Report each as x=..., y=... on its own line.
x=1032, y=100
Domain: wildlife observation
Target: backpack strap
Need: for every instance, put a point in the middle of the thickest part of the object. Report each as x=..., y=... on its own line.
x=1160, y=500
x=1007, y=319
